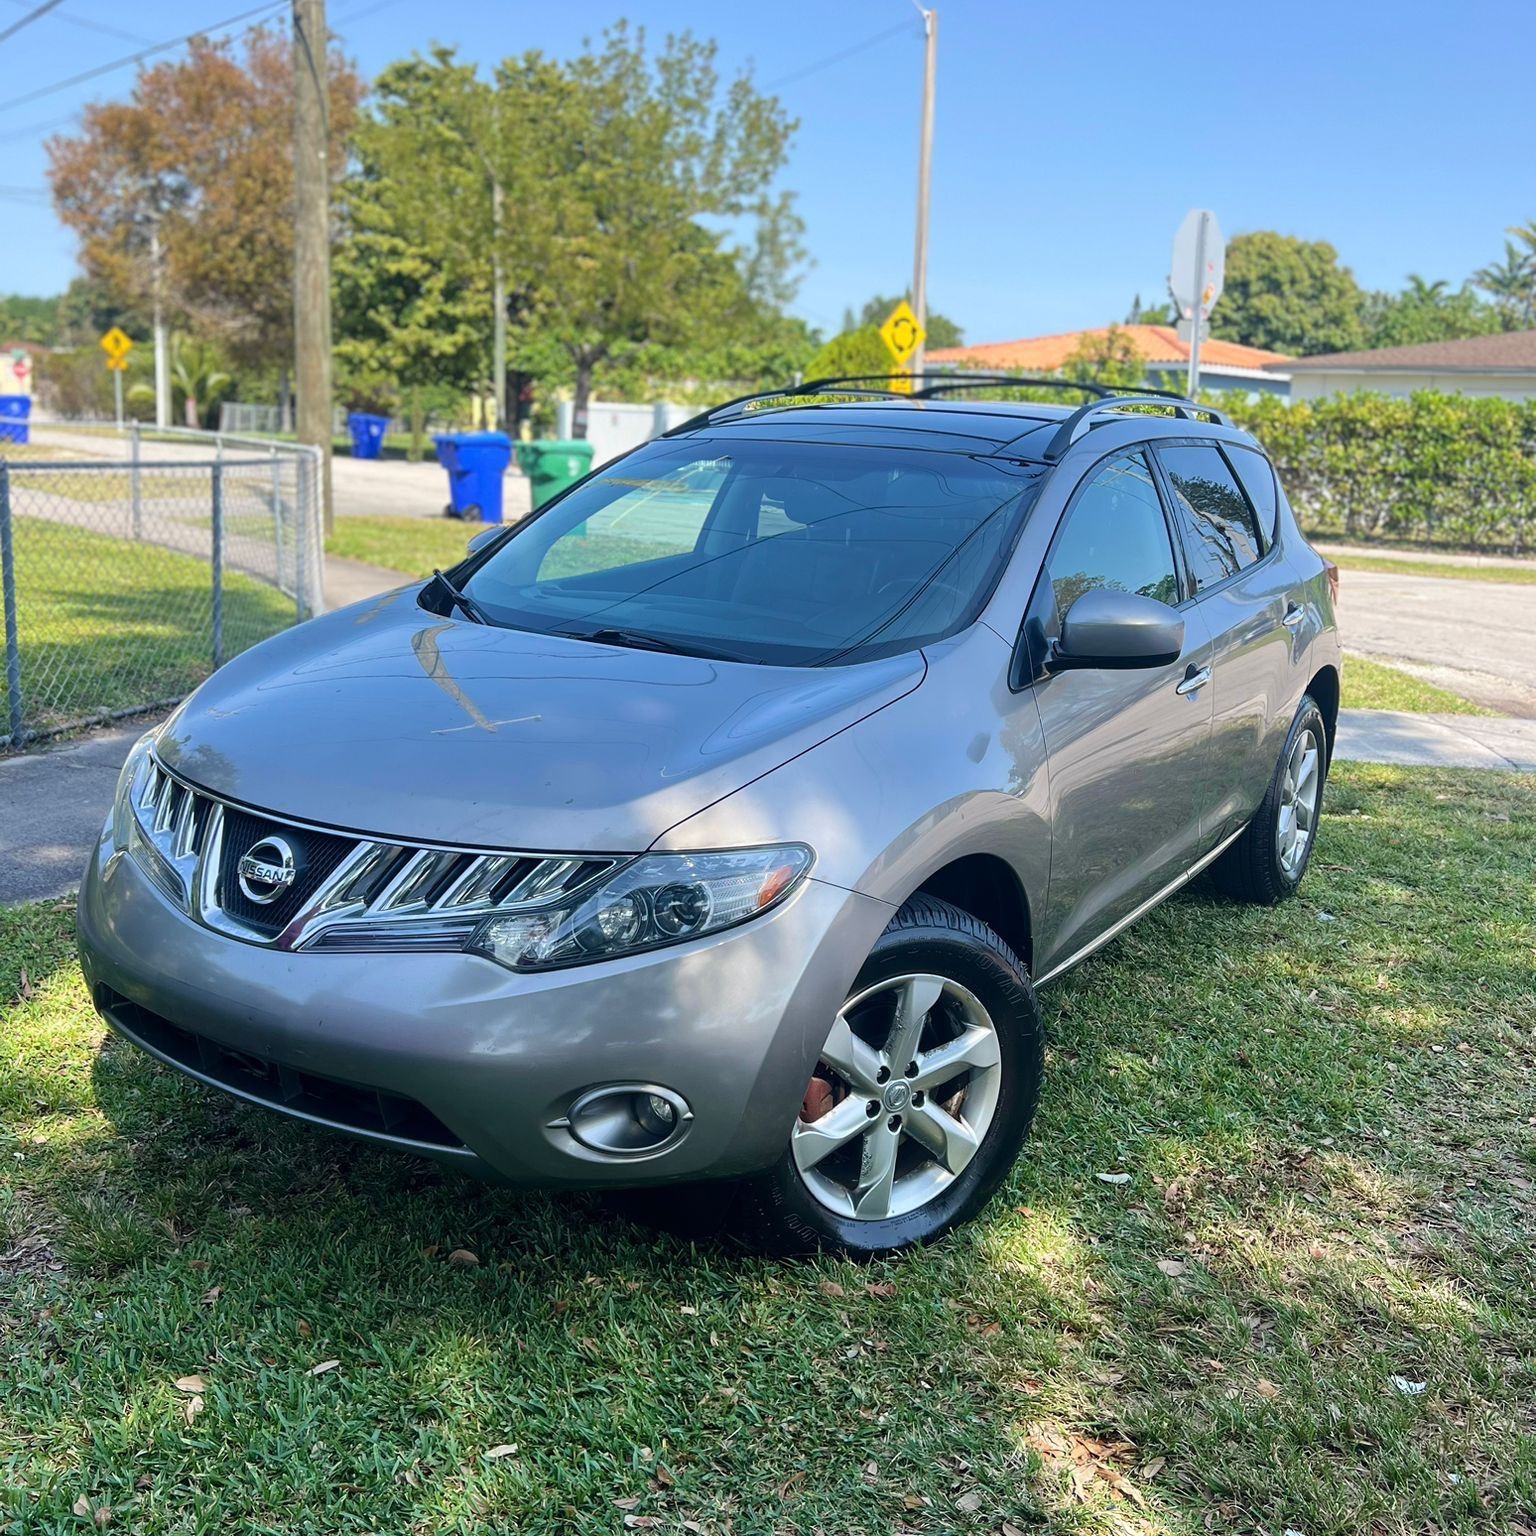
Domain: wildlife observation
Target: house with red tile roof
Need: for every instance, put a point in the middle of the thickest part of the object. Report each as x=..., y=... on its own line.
x=1223, y=364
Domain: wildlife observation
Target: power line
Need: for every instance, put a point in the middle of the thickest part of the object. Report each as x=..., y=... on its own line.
x=99, y=26
x=12, y=134
x=837, y=58
x=271, y=7
x=31, y=16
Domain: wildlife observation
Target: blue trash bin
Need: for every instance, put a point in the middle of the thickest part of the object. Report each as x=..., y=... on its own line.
x=367, y=434
x=14, y=411
x=476, y=462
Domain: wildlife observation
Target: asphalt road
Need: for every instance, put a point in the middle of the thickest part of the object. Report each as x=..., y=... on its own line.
x=1477, y=638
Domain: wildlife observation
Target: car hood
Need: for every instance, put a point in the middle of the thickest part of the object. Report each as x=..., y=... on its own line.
x=383, y=718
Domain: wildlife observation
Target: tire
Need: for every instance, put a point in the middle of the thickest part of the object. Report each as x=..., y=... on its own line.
x=1255, y=868
x=792, y=1208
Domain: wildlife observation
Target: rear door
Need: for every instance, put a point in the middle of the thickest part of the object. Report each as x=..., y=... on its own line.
x=1126, y=750
x=1242, y=591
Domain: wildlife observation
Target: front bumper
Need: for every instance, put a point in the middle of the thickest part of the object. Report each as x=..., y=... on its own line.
x=455, y=1057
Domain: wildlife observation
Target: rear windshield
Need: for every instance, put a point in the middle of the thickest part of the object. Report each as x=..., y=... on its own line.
x=790, y=553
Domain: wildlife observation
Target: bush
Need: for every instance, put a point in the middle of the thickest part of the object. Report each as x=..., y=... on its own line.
x=1441, y=469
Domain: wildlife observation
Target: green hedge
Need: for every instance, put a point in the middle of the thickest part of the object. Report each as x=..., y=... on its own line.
x=1440, y=469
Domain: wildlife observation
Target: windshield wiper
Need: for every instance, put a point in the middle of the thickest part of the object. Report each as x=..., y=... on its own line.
x=636, y=640
x=463, y=600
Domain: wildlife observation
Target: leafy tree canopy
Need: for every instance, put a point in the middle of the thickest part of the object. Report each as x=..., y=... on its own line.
x=1107, y=358
x=1426, y=311
x=200, y=158
x=854, y=352
x=1288, y=295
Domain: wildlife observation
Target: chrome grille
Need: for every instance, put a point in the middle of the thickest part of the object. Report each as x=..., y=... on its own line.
x=372, y=895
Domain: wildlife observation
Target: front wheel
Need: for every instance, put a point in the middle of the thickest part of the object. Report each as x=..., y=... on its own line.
x=1266, y=863
x=922, y=1096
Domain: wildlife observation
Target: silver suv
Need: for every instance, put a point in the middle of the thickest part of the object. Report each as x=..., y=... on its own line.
x=721, y=819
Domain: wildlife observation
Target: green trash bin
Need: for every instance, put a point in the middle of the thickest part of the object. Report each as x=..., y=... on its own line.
x=552, y=464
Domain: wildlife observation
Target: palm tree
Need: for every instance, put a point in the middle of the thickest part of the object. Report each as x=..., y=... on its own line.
x=1421, y=292
x=1511, y=283
x=195, y=372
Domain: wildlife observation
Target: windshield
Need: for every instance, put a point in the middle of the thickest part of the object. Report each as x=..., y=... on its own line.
x=791, y=553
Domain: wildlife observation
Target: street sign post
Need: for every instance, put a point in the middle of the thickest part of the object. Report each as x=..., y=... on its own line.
x=117, y=345
x=1199, y=268
x=902, y=335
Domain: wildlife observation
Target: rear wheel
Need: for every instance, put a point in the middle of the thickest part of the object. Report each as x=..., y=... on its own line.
x=1266, y=864
x=922, y=1096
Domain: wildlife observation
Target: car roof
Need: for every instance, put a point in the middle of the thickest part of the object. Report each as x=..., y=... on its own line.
x=1022, y=429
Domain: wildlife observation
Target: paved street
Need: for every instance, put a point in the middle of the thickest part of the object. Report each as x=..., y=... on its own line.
x=1477, y=638
x=361, y=488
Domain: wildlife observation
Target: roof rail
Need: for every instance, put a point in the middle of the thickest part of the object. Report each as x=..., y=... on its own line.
x=866, y=386
x=1081, y=420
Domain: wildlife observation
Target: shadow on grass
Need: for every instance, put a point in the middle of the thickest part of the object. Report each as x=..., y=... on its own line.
x=1321, y=1215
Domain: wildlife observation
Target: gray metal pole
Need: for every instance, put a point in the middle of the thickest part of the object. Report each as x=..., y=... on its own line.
x=312, y=239
x=303, y=515
x=218, y=566
x=8, y=592
x=136, y=488
x=1194, y=335
x=924, y=177
x=117, y=395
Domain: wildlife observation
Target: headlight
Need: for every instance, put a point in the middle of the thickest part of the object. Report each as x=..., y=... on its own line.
x=122, y=798
x=659, y=899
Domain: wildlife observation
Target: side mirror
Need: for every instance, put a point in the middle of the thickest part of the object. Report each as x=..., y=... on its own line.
x=1118, y=629
x=483, y=538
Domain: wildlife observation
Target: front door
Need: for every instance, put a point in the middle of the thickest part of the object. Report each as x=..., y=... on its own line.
x=1126, y=750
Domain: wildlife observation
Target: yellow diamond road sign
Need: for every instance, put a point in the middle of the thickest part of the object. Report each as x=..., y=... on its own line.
x=901, y=333
x=116, y=345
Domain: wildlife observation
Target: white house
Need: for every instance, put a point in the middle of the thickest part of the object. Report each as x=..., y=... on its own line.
x=1503, y=365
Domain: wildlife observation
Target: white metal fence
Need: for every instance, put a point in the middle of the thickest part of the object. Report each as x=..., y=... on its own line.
x=124, y=582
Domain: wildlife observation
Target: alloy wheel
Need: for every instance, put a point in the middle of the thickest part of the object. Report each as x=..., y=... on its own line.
x=1300, y=794
x=904, y=1092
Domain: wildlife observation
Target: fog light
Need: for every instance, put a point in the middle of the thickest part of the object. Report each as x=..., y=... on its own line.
x=627, y=1119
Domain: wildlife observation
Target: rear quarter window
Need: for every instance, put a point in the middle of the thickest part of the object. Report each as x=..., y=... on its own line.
x=1258, y=477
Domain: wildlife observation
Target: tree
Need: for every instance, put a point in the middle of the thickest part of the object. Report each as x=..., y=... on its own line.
x=1425, y=311
x=942, y=331
x=1110, y=357
x=1288, y=295
x=1149, y=314
x=850, y=355
x=644, y=151
x=1511, y=284
x=198, y=378
x=183, y=194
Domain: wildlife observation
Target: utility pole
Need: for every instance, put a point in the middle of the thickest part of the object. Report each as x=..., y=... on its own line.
x=162, y=342
x=924, y=175
x=312, y=238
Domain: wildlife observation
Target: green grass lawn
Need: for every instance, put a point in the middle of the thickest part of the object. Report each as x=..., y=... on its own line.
x=1311, y=1306
x=414, y=546
x=1363, y=561
x=1374, y=685
x=108, y=624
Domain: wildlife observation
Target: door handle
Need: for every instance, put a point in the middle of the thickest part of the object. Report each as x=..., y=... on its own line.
x=1194, y=679
x=1294, y=614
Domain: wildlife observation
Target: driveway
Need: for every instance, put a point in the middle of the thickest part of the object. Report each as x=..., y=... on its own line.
x=1477, y=638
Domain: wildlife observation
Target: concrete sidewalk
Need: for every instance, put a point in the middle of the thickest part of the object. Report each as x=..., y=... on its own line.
x=1436, y=741
x=52, y=803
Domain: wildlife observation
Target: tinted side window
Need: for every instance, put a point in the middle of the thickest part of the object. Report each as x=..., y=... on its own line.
x=1115, y=537
x=1219, y=532
x=1258, y=477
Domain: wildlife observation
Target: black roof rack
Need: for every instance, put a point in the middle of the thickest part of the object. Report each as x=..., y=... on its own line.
x=865, y=386
x=1081, y=420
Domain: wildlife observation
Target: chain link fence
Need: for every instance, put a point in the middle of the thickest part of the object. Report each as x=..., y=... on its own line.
x=126, y=583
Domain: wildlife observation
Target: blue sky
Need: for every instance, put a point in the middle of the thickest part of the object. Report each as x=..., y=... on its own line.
x=1070, y=138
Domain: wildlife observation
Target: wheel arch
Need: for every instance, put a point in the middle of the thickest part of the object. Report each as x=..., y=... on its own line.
x=989, y=889
x=1325, y=692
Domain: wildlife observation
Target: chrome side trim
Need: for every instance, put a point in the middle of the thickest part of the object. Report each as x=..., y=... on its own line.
x=1116, y=929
